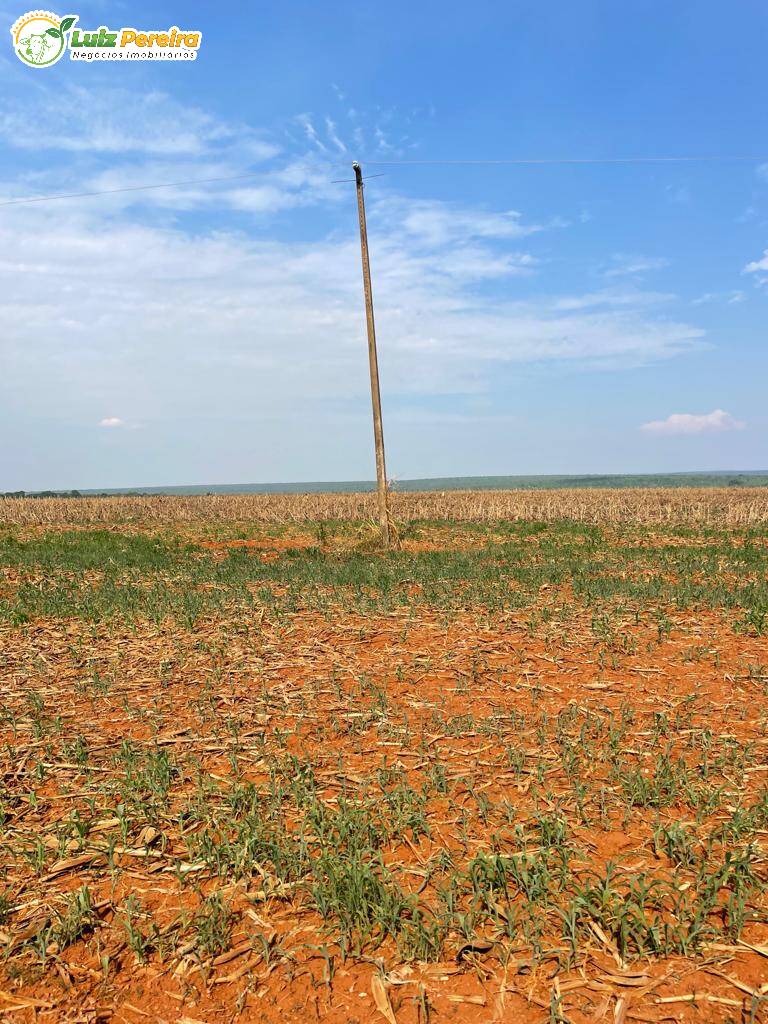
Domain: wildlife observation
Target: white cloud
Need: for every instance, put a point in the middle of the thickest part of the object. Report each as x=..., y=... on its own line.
x=353, y=130
x=679, y=194
x=169, y=316
x=169, y=321
x=607, y=297
x=715, y=422
x=333, y=135
x=305, y=121
x=731, y=298
x=628, y=265
x=111, y=422
x=433, y=223
x=759, y=267
x=121, y=121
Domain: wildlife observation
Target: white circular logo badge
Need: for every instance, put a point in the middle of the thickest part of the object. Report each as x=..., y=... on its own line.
x=40, y=37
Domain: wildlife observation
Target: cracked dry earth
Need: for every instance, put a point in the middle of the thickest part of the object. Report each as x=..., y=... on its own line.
x=413, y=814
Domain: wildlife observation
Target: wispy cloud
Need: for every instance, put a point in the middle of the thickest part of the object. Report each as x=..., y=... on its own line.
x=313, y=137
x=633, y=298
x=678, y=194
x=435, y=223
x=333, y=135
x=715, y=422
x=274, y=316
x=120, y=121
x=270, y=318
x=626, y=265
x=759, y=267
x=369, y=133
x=731, y=298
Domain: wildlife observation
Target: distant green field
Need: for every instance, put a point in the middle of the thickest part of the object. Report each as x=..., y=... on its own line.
x=473, y=483
x=748, y=478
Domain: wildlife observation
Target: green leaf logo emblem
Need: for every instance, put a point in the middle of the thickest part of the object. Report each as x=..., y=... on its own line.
x=39, y=37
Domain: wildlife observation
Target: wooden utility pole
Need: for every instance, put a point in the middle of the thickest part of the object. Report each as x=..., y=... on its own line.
x=378, y=427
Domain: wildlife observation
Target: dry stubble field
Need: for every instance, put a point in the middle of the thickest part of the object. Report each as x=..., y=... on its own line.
x=254, y=769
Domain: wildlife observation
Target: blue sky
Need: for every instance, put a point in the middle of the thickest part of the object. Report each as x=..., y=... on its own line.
x=564, y=318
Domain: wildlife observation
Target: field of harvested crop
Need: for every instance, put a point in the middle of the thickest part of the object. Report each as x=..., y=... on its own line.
x=255, y=769
x=692, y=506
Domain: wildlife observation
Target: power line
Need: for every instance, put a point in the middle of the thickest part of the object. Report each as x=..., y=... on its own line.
x=126, y=188
x=517, y=162
x=339, y=181
x=144, y=188
x=570, y=160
